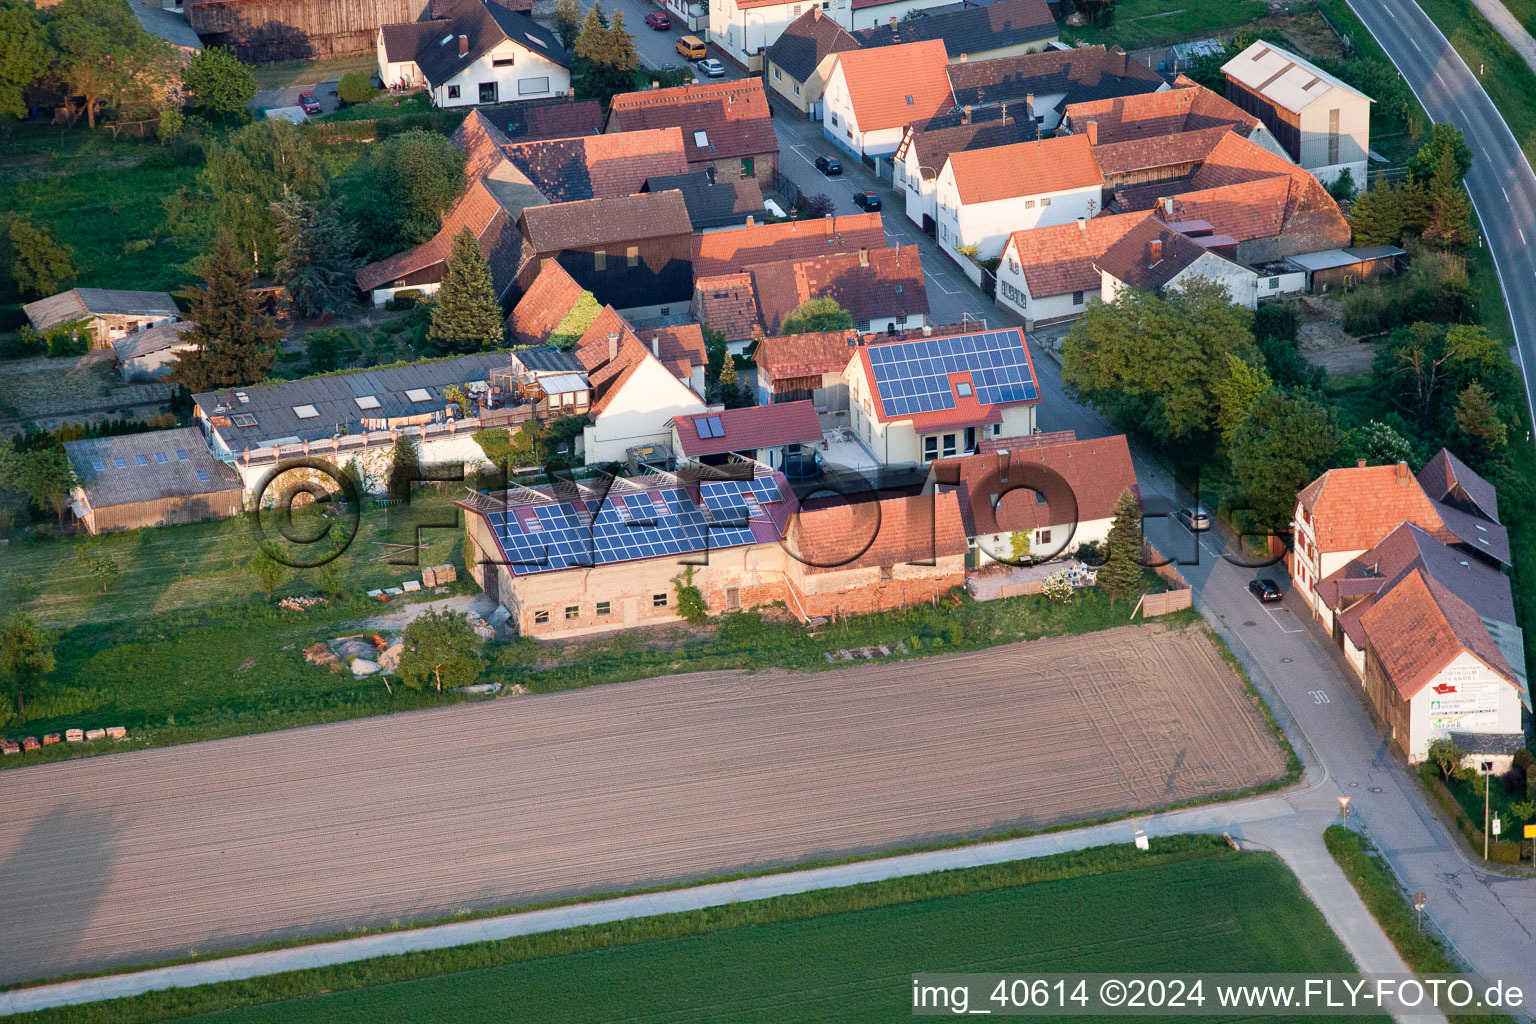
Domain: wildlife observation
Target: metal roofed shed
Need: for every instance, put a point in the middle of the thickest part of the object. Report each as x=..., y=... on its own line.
x=150, y=479
x=1341, y=268
x=548, y=359
x=1282, y=77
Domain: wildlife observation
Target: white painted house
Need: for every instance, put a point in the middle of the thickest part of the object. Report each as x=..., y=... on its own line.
x=484, y=53
x=873, y=95
x=1048, y=275
x=743, y=29
x=1153, y=257
x=984, y=195
x=635, y=395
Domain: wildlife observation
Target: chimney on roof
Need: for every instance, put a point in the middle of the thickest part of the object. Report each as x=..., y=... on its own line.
x=1403, y=475
x=927, y=330
x=853, y=339
x=863, y=257
x=1155, y=252
x=463, y=46
x=1091, y=129
x=893, y=24
x=815, y=13
x=965, y=114
x=613, y=345
x=656, y=345
x=1359, y=463
x=750, y=220
x=1029, y=103
x=1168, y=205
x=964, y=57
x=1082, y=223
x=1002, y=465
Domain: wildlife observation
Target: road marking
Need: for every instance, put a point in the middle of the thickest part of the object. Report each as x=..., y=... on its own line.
x=942, y=286
x=1415, y=43
x=1522, y=235
x=1277, y=622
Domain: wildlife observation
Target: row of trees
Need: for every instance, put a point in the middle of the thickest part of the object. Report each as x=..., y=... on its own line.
x=1428, y=204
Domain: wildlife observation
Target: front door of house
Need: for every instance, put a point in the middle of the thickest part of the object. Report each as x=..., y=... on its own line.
x=970, y=439
x=487, y=92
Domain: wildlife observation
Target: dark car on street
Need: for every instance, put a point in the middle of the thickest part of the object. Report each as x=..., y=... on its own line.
x=1265, y=589
x=309, y=102
x=658, y=21
x=829, y=165
x=866, y=201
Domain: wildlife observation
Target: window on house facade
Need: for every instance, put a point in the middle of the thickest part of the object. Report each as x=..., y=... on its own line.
x=1333, y=136
x=748, y=167
x=1029, y=204
x=930, y=448
x=599, y=261
x=997, y=430
x=1043, y=536
x=733, y=599
x=778, y=76
x=532, y=86
x=503, y=62
x=1013, y=266
x=487, y=92
x=1077, y=298
x=949, y=445
x=1045, y=202
x=632, y=256
x=887, y=572
x=540, y=618
x=453, y=92
x=797, y=88
x=1274, y=282
x=605, y=607
x=573, y=611
x=658, y=600
x=834, y=120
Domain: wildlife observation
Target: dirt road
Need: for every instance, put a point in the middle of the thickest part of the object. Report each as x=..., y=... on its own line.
x=146, y=855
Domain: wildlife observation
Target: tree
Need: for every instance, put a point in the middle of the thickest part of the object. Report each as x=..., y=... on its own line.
x=1121, y=573
x=466, y=314
x=1444, y=140
x=416, y=177
x=314, y=256
x=40, y=264
x=236, y=341
x=218, y=83
x=1450, y=208
x=102, y=566
x=1422, y=361
x=1237, y=394
x=605, y=54
x=691, y=606
x=819, y=205
x=1343, y=186
x=253, y=169
x=821, y=314
x=268, y=572
x=404, y=467
x=1447, y=756
x=26, y=656
x=43, y=474
x=439, y=648
x=1478, y=423
x=1379, y=444
x=25, y=53
x=103, y=51
x=325, y=350
x=356, y=87
x=1284, y=443
x=567, y=21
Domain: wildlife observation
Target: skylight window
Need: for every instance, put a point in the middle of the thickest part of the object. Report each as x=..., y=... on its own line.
x=419, y=395
x=963, y=390
x=162, y=458
x=120, y=463
x=141, y=460
x=243, y=397
x=202, y=475
x=245, y=419
x=701, y=139
x=535, y=40
x=909, y=101
x=181, y=455
x=367, y=402
x=446, y=39
x=98, y=465
x=306, y=412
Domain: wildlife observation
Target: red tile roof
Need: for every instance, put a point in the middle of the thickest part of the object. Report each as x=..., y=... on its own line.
x=731, y=251
x=608, y=376
x=1080, y=481
x=733, y=115
x=599, y=166
x=891, y=86
x=1150, y=255
x=728, y=304
x=543, y=305
x=1419, y=627
x=787, y=356
x=476, y=209
x=1184, y=108
x=1060, y=259
x=758, y=426
x=890, y=532
x=1024, y=169
x=480, y=141
x=867, y=284
x=679, y=347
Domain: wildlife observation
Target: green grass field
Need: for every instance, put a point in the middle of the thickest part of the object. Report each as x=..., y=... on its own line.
x=1506, y=78
x=1142, y=23
x=840, y=954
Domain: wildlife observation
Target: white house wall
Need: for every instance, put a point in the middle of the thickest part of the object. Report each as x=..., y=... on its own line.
x=988, y=225
x=1065, y=538
x=638, y=414
x=540, y=73
x=1480, y=700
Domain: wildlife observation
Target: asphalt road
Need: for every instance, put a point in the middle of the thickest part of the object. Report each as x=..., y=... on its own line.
x=212, y=845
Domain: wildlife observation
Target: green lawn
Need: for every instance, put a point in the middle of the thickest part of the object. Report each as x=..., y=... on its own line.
x=1142, y=23
x=383, y=106
x=311, y=72
x=842, y=954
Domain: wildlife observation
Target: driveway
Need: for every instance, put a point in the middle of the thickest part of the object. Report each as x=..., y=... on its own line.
x=324, y=91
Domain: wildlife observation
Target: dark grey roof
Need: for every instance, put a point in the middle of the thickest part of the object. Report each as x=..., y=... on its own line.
x=806, y=41
x=713, y=204
x=152, y=467
x=591, y=222
x=335, y=399
x=1487, y=742
x=1081, y=74
x=936, y=138
x=551, y=119
x=1452, y=482
x=82, y=303
x=548, y=359
x=168, y=25
x=485, y=22
x=156, y=339
x=971, y=30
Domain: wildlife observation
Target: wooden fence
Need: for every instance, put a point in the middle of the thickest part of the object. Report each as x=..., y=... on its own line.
x=1176, y=598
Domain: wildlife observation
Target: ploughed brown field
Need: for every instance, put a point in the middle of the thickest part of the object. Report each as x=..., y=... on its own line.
x=212, y=845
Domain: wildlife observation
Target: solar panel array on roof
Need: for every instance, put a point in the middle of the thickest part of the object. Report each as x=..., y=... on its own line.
x=709, y=426
x=650, y=524
x=913, y=376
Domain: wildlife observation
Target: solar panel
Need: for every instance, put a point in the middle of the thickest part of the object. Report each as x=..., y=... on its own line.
x=709, y=426
x=913, y=377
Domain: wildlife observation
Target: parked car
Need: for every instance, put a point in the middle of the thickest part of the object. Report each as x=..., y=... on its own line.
x=1265, y=589
x=658, y=21
x=829, y=165
x=711, y=67
x=866, y=201
x=1197, y=519
x=691, y=47
x=310, y=102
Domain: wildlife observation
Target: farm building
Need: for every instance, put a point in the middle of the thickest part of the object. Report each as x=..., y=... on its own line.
x=153, y=479
x=152, y=353
x=103, y=314
x=264, y=30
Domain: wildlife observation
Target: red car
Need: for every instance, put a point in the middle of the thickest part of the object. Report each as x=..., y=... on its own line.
x=658, y=21
x=310, y=102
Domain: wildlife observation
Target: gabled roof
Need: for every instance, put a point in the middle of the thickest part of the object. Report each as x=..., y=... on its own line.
x=1408, y=547
x=1024, y=169
x=551, y=119
x=1136, y=260
x=868, y=284
x=745, y=430
x=543, y=305
x=1081, y=73
x=155, y=465
x=480, y=141
x=164, y=335
x=434, y=45
x=598, y=221
x=719, y=120
x=1419, y=627
x=1060, y=259
x=932, y=141
x=476, y=210
x=1186, y=107
x=1148, y=155
x=1448, y=480
x=680, y=347
x=728, y=252
x=970, y=30
x=168, y=25
x=865, y=534
x=806, y=41
x=727, y=303
x=1283, y=78
x=1076, y=482
x=598, y=166
x=949, y=381
x=713, y=203
x=897, y=85
x=785, y=356
x=84, y=303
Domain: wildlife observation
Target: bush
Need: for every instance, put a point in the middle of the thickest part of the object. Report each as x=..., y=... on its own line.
x=66, y=343
x=409, y=298
x=356, y=87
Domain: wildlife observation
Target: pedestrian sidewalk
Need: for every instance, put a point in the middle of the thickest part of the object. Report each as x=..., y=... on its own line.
x=1273, y=821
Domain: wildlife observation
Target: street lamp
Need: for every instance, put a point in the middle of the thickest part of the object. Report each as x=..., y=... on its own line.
x=1419, y=899
x=1486, y=768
